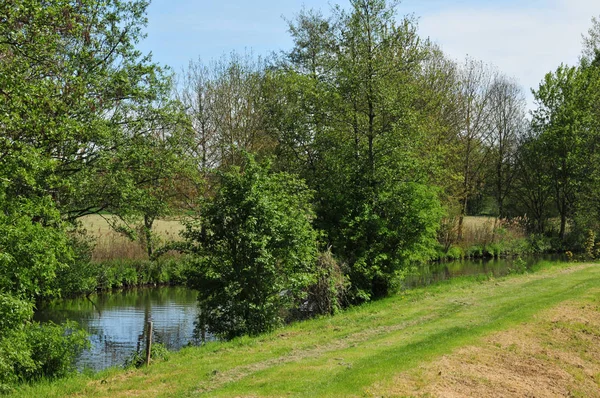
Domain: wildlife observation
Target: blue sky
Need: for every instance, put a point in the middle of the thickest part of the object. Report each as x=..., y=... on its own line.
x=524, y=39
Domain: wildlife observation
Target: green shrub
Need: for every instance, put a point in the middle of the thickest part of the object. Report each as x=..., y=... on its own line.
x=253, y=251
x=474, y=251
x=493, y=250
x=539, y=243
x=137, y=359
x=455, y=253
x=55, y=348
x=34, y=351
x=81, y=275
x=519, y=266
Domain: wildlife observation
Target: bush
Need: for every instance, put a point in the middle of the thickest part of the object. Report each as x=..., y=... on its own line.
x=475, y=251
x=137, y=359
x=455, y=253
x=384, y=236
x=253, y=251
x=80, y=275
x=519, y=266
x=326, y=296
x=55, y=348
x=34, y=351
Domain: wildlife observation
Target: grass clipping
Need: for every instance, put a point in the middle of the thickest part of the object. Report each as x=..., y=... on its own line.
x=556, y=355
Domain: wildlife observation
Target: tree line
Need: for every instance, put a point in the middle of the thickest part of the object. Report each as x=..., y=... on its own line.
x=312, y=180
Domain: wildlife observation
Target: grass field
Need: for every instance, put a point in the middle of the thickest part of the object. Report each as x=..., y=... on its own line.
x=111, y=245
x=529, y=335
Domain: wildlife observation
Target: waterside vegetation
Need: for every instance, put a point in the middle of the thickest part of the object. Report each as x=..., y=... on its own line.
x=547, y=320
x=306, y=183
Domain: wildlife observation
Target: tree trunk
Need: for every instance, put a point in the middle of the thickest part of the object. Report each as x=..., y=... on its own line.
x=148, y=222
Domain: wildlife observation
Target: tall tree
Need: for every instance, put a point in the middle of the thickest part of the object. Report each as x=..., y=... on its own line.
x=354, y=130
x=224, y=103
x=76, y=99
x=476, y=126
x=507, y=108
x=558, y=119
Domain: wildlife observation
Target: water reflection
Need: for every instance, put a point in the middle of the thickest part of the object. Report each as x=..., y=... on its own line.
x=116, y=321
x=435, y=272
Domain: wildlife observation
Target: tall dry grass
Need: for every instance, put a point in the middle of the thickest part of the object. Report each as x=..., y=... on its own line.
x=482, y=231
x=112, y=245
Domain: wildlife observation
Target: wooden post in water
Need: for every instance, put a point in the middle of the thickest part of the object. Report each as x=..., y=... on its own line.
x=149, y=343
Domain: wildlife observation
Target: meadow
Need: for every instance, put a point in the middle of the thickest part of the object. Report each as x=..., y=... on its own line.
x=112, y=245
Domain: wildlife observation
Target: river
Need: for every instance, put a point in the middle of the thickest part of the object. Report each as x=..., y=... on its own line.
x=116, y=321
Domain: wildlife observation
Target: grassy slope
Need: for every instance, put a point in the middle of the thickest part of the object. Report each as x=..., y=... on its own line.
x=352, y=353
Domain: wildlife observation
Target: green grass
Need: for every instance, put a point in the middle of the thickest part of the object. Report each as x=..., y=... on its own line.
x=348, y=354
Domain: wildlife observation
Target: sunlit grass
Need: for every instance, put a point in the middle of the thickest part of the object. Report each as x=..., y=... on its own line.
x=348, y=354
x=112, y=245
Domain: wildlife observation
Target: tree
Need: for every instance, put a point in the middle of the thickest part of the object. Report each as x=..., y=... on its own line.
x=532, y=191
x=559, y=119
x=223, y=101
x=77, y=100
x=77, y=94
x=475, y=97
x=253, y=250
x=591, y=42
x=507, y=108
x=343, y=111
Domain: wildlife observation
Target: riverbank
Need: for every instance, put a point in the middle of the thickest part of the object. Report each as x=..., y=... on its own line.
x=393, y=347
x=90, y=277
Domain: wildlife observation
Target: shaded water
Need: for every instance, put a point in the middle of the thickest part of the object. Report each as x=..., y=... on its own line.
x=436, y=272
x=116, y=321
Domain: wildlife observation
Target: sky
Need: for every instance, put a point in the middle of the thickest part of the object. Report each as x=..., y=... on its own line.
x=524, y=39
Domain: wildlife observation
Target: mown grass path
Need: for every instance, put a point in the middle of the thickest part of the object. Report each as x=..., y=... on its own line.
x=349, y=354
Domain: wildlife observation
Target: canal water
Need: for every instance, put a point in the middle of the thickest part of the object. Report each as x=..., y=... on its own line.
x=116, y=321
x=496, y=267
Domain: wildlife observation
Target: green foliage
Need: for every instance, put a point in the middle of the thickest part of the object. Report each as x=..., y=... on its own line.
x=80, y=105
x=80, y=108
x=80, y=276
x=124, y=273
x=590, y=244
x=32, y=352
x=519, y=266
x=344, y=110
x=253, y=250
x=137, y=359
x=455, y=253
x=539, y=243
x=33, y=247
x=54, y=349
x=475, y=251
x=13, y=312
x=326, y=295
x=383, y=240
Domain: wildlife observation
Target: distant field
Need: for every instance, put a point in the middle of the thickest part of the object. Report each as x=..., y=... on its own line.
x=475, y=222
x=111, y=245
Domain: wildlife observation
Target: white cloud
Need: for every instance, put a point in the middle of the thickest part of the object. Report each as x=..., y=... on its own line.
x=525, y=41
